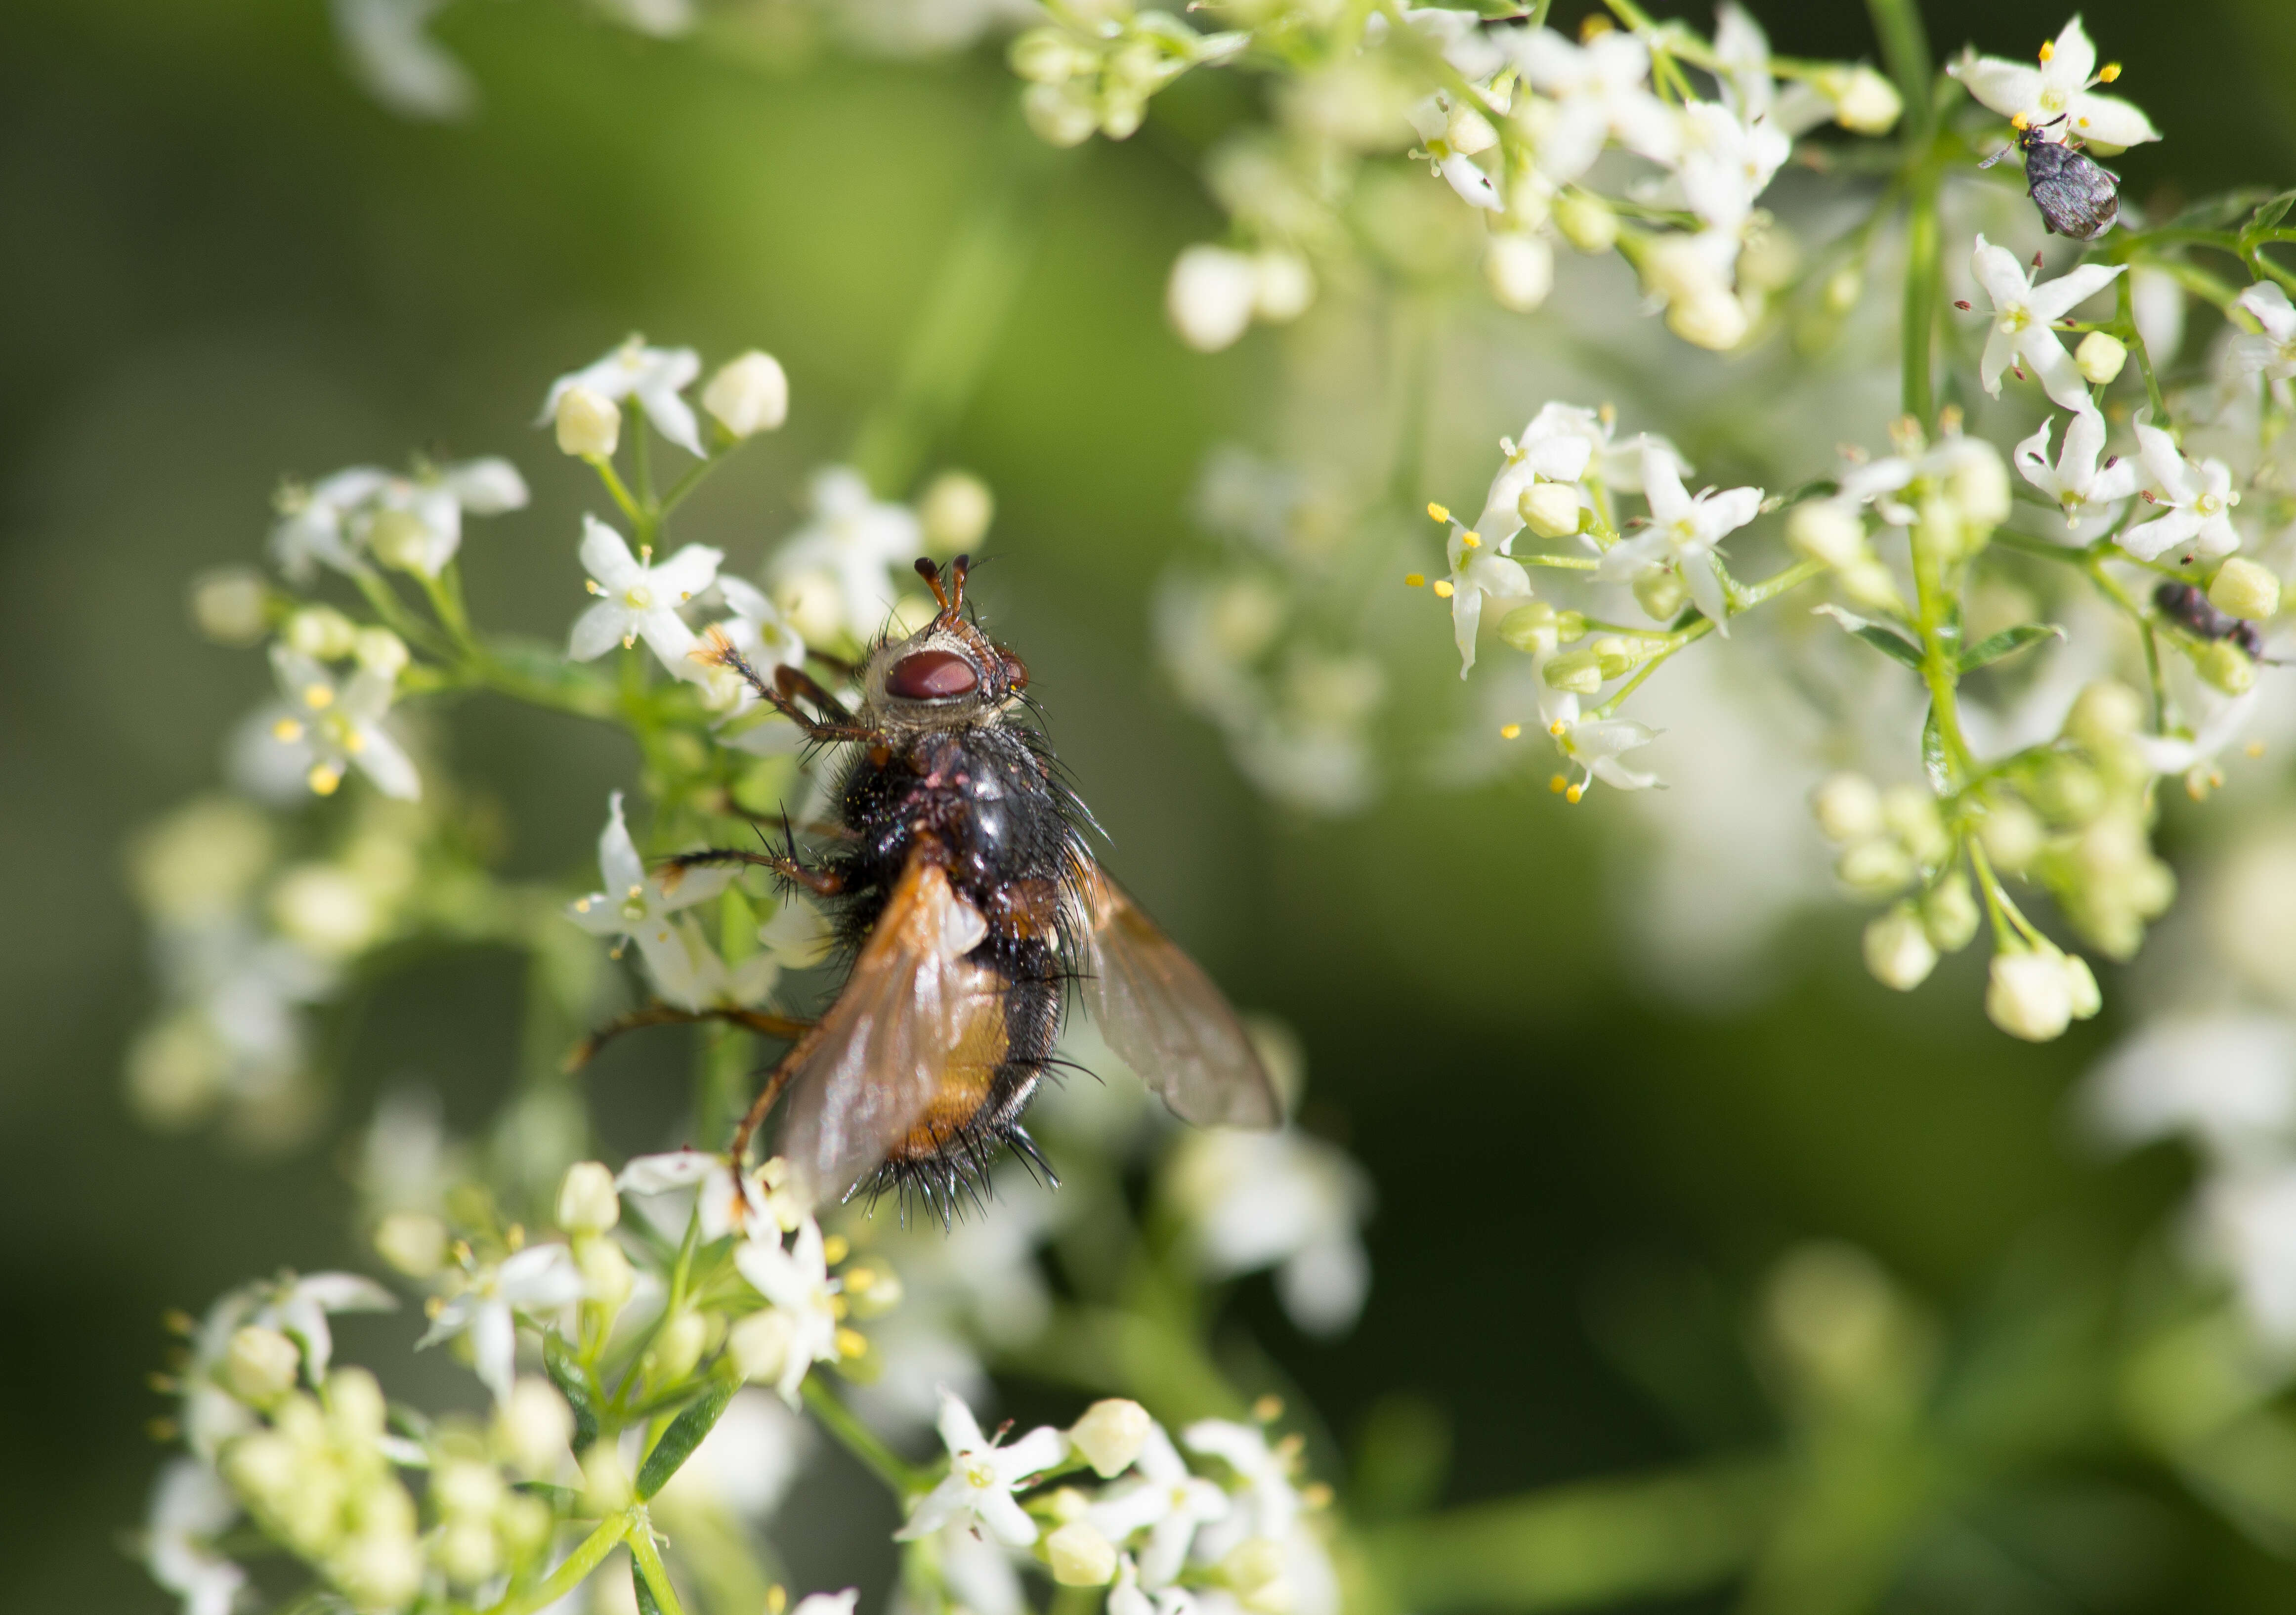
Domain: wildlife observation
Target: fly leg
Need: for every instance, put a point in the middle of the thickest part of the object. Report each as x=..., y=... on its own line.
x=788, y=686
x=669, y=1014
x=819, y=879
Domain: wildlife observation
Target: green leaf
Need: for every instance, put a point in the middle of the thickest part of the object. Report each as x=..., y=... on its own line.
x=646, y=1602
x=2007, y=643
x=2215, y=212
x=1933, y=757
x=574, y=1383
x=2269, y=213
x=1888, y=641
x=682, y=1436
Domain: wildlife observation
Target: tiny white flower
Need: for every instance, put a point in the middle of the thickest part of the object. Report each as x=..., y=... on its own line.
x=1281, y=1200
x=2199, y=513
x=191, y=1506
x=797, y=1282
x=298, y=1306
x=326, y=725
x=390, y=50
x=2248, y=1223
x=1477, y=570
x=1596, y=744
x=653, y=376
x=2023, y=314
x=1597, y=91
x=982, y=1479
x=724, y=1204
x=1728, y=162
x=537, y=1280
x=1553, y=448
x=759, y=630
x=2228, y=1078
x=835, y=574
x=1683, y=532
x=2275, y=351
x=416, y=522
x=642, y=908
x=639, y=600
x=2061, y=86
x=2090, y=495
x=1451, y=150
x=2228, y=719
x=315, y=528
x=1210, y=296
x=1264, y=1470
x=1127, y=1597
x=1164, y=1500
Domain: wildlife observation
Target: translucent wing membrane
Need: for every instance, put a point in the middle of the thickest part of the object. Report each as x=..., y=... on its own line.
x=1165, y=1019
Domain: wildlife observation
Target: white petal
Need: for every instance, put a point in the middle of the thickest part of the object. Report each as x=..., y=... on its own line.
x=2154, y=538
x=2056, y=299
x=617, y=853
x=960, y=1431
x=660, y=1174
x=494, y=1348
x=2110, y=119
x=684, y=575
x=2272, y=311
x=385, y=765
x=2007, y=87
x=599, y=630
x=672, y=642
x=487, y=487
x=675, y=957
x=2055, y=369
x=1706, y=591
x=673, y=418
x=606, y=556
x=2071, y=59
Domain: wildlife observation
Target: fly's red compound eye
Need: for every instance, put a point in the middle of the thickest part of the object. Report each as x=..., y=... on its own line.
x=931, y=675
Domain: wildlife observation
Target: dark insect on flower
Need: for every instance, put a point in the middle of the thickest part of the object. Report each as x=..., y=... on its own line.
x=2077, y=198
x=2186, y=605
x=968, y=901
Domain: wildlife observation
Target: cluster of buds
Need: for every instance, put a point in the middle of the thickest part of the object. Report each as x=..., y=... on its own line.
x=1093, y=69
x=1894, y=844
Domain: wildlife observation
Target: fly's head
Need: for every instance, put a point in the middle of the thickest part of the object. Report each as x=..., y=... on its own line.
x=948, y=674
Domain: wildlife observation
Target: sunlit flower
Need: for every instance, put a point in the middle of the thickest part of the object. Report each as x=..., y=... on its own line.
x=2274, y=352
x=410, y=521
x=298, y=1306
x=325, y=727
x=797, y=1282
x=191, y=1507
x=1727, y=161
x=1683, y=532
x=655, y=376
x=761, y=633
x=2022, y=315
x=982, y=1478
x=1597, y=745
x=1553, y=449
x=2061, y=86
x=1477, y=570
x=640, y=907
x=835, y=574
x=2089, y=494
x=724, y=1203
x=538, y=1281
x=1162, y=1499
x=1451, y=137
x=2199, y=499
x=639, y=600
x=1595, y=92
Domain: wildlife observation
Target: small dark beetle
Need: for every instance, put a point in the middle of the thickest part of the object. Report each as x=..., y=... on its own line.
x=2077, y=198
x=2185, y=604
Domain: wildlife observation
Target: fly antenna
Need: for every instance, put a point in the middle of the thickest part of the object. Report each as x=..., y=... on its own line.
x=931, y=573
x=950, y=596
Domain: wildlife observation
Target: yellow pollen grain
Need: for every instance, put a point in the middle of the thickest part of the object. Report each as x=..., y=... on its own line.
x=581, y=906
x=859, y=1280
x=1315, y=1495
x=1574, y=793
x=1511, y=732
x=2112, y=71
x=318, y=697
x=516, y=1238
x=1557, y=785
x=1443, y=589
x=1441, y=513
x=287, y=730
x=1470, y=541
x=1414, y=580
x=835, y=1248
x=323, y=779
x=2048, y=49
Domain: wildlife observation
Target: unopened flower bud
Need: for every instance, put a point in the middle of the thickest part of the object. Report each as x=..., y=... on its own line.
x=2029, y=994
x=2226, y=665
x=401, y=539
x=605, y=1483
x=1911, y=813
x=1530, y=627
x=2242, y=588
x=1569, y=627
x=1110, y=1434
x=1209, y=297
x=1976, y=481
x=956, y=511
x=759, y=1344
x=1949, y=914
x=357, y=1412
x=227, y=606
x=414, y=1243
x=465, y=1549
x=1080, y=1556
x=1254, y=1564
x=378, y=1570
x=1865, y=102
x=1827, y=530
x=1898, y=949
x=2080, y=987
x=1550, y=510
x=2012, y=834
x=1843, y=288
x=2099, y=357
x=1578, y=671
x=1283, y=286
x=2105, y=714
x=1869, y=584
x=678, y=1345
x=379, y=650
x=589, y=424
x=1849, y=809
x=1660, y=593
x=1714, y=320
x=1060, y=114
x=260, y=1365
x=1048, y=55
x=1874, y=869
x=1519, y=268
x=461, y=1486
x=1587, y=222
x=587, y=1200
x=605, y=1273
x=321, y=632
x=533, y=1428
x=748, y=395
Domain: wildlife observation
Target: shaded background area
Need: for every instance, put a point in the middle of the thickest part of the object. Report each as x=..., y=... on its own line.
x=225, y=266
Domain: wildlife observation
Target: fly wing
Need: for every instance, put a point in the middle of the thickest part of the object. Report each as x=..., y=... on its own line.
x=1165, y=1019
x=868, y=1073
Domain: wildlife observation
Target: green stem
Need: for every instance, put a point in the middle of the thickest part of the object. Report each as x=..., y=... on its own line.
x=861, y=1442
x=2124, y=323
x=1924, y=281
x=1906, y=51
x=1940, y=662
x=612, y=478
x=586, y=1556
x=647, y=513
x=648, y=1558
x=1572, y=563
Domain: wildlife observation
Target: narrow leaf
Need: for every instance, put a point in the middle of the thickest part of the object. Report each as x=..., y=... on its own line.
x=2269, y=213
x=1888, y=641
x=646, y=1602
x=2007, y=643
x=1933, y=757
x=574, y=1383
x=682, y=1436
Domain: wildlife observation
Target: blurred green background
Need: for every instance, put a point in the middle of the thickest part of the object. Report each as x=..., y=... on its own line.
x=223, y=265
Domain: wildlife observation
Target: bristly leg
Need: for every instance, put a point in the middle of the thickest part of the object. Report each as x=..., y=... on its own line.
x=670, y=1014
x=789, y=684
x=820, y=881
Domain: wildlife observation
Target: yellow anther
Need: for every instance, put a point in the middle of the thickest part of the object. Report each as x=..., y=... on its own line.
x=2112, y=71
x=859, y=1280
x=436, y=1305
x=516, y=1238
x=635, y=893
x=1443, y=589
x=1511, y=732
x=629, y=640
x=1441, y=513
x=839, y=1307
x=852, y=1343
x=1557, y=729
x=1414, y=580
x=1574, y=793
x=1315, y=1495
x=776, y=1599
x=2020, y=123
x=1557, y=785
x=2254, y=747
x=835, y=1248
x=2048, y=49
x=581, y=906
x=1267, y=1407
x=591, y=584
x=1470, y=541
x=324, y=778
x=318, y=697
x=1595, y=26
x=354, y=741
x=287, y=731
x=1608, y=414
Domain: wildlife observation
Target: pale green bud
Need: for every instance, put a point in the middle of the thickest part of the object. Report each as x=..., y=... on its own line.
x=1080, y=1556
x=460, y=1486
x=1550, y=509
x=2105, y=714
x=378, y=1571
x=1868, y=583
x=1580, y=672
x=2069, y=792
x=2099, y=357
x=1865, y=100
x=1911, y=813
x=1713, y=319
x=1587, y=222
x=605, y=1273
x=1569, y=627
x=587, y=1200
x=955, y=512
x=1660, y=591
x=2029, y=994
x=260, y=1365
x=1950, y=913
x=1530, y=627
x=2081, y=986
x=356, y=1410
x=589, y=424
x=1283, y=286
x=748, y=395
x=605, y=1483
x=321, y=632
x=1874, y=869
x=759, y=1344
x=414, y=1243
x=1825, y=530
x=466, y=1550
x=524, y=1522
x=1059, y=114
x=2226, y=665
x=399, y=538
x=2242, y=588
x=1849, y=809
x=1110, y=1434
x=678, y=1347
x=1049, y=55
x=1253, y=1565
x=1843, y=288
x=533, y=1427
x=228, y=606
x=1613, y=656
x=1519, y=268
x=381, y=650
x=1898, y=950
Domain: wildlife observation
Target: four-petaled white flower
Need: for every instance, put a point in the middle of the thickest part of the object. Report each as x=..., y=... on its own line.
x=1595, y=744
x=328, y=725
x=2226, y=720
x=1555, y=447
x=1683, y=532
x=191, y=1506
x=1477, y=570
x=2199, y=513
x=981, y=1478
x=415, y=522
x=2061, y=86
x=298, y=1306
x=1264, y=1470
x=653, y=376
x=1164, y=1500
x=1598, y=91
x=2275, y=351
x=767, y=640
x=834, y=574
x=2022, y=315
x=538, y=1279
x=643, y=908
x=723, y=1203
x=2089, y=494
x=1450, y=139
x=1727, y=161
x=797, y=1282
x=639, y=600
